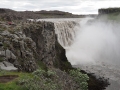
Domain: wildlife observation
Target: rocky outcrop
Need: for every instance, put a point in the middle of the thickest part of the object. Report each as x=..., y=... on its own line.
x=18, y=50
x=42, y=33
x=48, y=49
x=31, y=46
x=7, y=66
x=61, y=60
x=109, y=10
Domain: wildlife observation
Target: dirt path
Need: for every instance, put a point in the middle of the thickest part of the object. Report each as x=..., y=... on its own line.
x=7, y=78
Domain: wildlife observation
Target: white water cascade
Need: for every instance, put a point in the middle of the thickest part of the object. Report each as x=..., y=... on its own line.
x=65, y=29
x=66, y=32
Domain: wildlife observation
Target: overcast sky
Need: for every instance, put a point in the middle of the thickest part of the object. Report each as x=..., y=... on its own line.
x=73, y=6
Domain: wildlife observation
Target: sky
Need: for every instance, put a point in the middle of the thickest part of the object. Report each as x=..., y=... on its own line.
x=72, y=6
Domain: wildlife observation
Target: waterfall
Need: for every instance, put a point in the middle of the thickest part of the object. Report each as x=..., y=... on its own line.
x=96, y=49
x=93, y=45
x=66, y=32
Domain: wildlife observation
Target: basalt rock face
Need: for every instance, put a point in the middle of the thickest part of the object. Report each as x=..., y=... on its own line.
x=42, y=33
x=17, y=50
x=109, y=10
x=29, y=46
x=61, y=60
x=48, y=50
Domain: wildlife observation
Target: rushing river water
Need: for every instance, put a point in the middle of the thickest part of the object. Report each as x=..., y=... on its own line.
x=93, y=45
x=109, y=72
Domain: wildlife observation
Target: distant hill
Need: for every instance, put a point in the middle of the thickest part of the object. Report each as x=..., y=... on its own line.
x=10, y=15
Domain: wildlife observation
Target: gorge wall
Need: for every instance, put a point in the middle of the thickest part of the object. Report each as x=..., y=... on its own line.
x=32, y=45
x=109, y=10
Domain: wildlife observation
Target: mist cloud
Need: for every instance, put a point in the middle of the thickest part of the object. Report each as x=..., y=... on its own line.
x=97, y=41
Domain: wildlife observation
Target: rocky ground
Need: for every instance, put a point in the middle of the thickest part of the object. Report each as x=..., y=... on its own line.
x=16, y=51
x=23, y=45
x=7, y=78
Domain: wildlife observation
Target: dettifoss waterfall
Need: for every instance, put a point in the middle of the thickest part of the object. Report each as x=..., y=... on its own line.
x=93, y=45
x=66, y=32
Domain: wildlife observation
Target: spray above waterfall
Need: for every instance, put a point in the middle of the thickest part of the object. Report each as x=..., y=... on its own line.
x=96, y=41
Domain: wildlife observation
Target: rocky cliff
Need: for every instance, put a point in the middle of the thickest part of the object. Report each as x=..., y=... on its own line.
x=109, y=10
x=30, y=46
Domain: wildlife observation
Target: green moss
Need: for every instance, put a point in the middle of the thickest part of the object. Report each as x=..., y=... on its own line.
x=41, y=65
x=5, y=46
x=11, y=86
x=61, y=61
x=1, y=59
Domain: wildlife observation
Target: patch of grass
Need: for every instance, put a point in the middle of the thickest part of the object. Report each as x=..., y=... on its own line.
x=13, y=85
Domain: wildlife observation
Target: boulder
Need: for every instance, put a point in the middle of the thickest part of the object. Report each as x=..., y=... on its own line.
x=7, y=66
x=5, y=33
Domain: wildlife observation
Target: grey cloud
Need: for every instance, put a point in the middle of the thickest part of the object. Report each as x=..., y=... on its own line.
x=74, y=6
